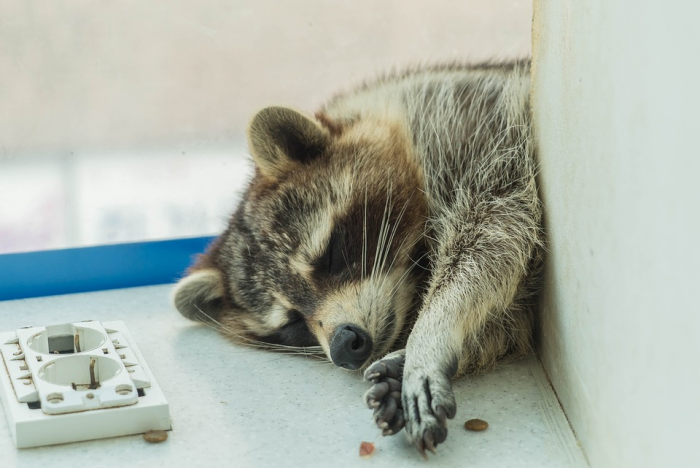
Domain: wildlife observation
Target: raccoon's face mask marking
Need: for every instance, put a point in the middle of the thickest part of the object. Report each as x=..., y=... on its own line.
x=324, y=248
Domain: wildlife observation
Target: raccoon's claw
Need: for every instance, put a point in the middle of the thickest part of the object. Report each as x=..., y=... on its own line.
x=375, y=394
x=389, y=367
x=441, y=414
x=384, y=396
x=380, y=390
x=427, y=404
x=396, y=424
x=428, y=441
x=426, y=444
x=385, y=412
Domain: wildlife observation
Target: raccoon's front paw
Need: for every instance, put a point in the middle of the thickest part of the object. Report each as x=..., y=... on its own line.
x=384, y=396
x=427, y=401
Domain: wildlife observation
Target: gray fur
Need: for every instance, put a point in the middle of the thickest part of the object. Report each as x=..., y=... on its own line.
x=446, y=260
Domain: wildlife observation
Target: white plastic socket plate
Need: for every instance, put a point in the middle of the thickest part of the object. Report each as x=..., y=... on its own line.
x=77, y=381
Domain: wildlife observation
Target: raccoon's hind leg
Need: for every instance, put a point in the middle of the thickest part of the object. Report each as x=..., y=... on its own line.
x=384, y=396
x=483, y=254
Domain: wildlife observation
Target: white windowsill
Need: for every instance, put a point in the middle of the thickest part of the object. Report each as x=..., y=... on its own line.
x=234, y=406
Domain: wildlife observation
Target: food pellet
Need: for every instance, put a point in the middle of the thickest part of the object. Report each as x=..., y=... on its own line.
x=366, y=449
x=155, y=436
x=476, y=425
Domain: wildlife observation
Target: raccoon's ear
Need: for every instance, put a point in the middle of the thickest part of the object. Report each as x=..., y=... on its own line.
x=200, y=295
x=281, y=138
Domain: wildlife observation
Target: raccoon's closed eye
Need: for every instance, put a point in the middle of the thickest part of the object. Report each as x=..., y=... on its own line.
x=294, y=316
x=334, y=259
x=294, y=333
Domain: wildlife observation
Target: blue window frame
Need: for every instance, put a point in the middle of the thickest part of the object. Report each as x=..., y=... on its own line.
x=65, y=271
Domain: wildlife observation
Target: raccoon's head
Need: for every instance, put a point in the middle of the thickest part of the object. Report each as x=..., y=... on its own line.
x=326, y=246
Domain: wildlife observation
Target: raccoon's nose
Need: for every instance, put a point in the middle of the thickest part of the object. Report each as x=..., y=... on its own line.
x=350, y=346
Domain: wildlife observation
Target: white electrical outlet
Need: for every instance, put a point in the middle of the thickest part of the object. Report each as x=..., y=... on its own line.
x=77, y=381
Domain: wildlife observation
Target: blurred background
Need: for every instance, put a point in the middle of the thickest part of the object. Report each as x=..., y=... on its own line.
x=126, y=121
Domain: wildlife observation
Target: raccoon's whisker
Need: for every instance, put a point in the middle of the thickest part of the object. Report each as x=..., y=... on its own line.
x=247, y=341
x=279, y=356
x=409, y=248
x=396, y=255
x=391, y=240
x=348, y=267
x=379, y=242
x=212, y=323
x=415, y=263
x=400, y=248
x=394, y=290
x=393, y=233
x=383, y=230
x=364, y=239
x=216, y=325
x=299, y=349
x=404, y=276
x=241, y=339
x=432, y=238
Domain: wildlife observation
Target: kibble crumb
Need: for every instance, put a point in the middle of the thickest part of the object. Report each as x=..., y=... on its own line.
x=366, y=449
x=476, y=425
x=155, y=436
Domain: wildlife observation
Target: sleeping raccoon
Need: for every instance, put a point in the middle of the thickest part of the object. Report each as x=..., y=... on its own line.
x=398, y=229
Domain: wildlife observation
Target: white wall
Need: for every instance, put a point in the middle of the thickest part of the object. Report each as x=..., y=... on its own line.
x=616, y=94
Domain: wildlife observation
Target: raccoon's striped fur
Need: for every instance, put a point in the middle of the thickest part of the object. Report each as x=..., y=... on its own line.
x=402, y=216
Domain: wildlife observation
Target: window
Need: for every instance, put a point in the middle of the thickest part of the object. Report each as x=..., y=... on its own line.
x=125, y=122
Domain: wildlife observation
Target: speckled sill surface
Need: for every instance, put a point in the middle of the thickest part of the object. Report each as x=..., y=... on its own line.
x=240, y=407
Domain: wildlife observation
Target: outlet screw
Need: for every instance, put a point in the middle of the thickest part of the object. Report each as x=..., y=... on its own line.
x=124, y=390
x=55, y=398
